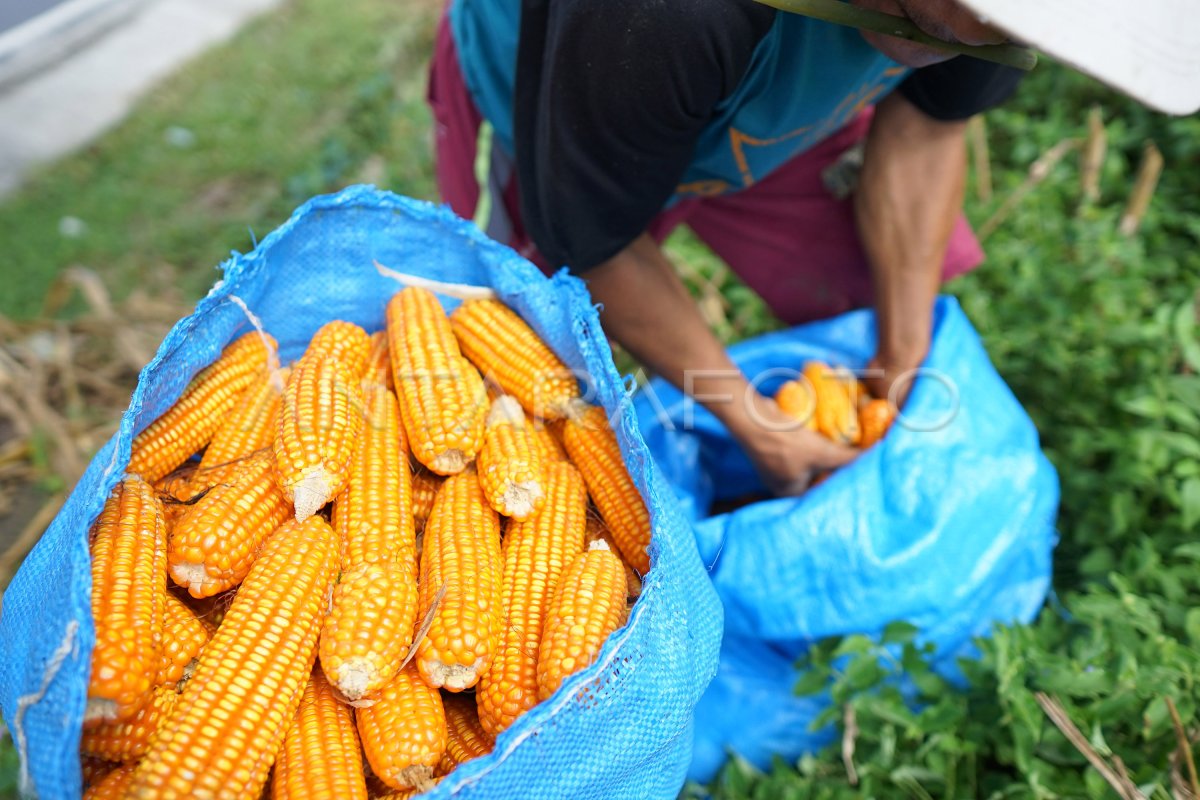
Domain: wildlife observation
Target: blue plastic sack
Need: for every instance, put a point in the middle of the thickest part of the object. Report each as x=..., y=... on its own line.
x=948, y=524
x=629, y=737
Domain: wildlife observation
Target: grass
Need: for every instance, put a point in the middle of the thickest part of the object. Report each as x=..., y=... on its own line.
x=317, y=95
x=1095, y=332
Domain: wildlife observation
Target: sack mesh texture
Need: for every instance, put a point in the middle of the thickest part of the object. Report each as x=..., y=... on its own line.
x=629, y=735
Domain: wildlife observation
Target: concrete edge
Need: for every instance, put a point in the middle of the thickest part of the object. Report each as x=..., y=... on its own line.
x=56, y=34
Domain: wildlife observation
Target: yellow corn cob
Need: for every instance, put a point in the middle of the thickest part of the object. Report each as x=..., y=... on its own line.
x=129, y=558
x=466, y=738
x=798, y=400
x=369, y=630
x=373, y=516
x=425, y=487
x=462, y=554
x=252, y=422
x=508, y=352
x=442, y=398
x=535, y=553
x=597, y=530
x=319, y=422
x=112, y=786
x=189, y=424
x=594, y=450
x=129, y=740
x=345, y=343
x=404, y=731
x=321, y=756
x=875, y=418
x=379, y=361
x=229, y=723
x=216, y=540
x=548, y=441
x=184, y=635
x=510, y=465
x=588, y=605
x=836, y=411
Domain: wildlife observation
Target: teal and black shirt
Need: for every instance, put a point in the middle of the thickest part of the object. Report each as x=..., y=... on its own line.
x=615, y=109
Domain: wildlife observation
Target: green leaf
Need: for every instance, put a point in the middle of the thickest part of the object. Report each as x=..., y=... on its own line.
x=898, y=632
x=811, y=682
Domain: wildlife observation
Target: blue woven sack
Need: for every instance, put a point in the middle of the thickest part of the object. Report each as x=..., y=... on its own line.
x=948, y=524
x=628, y=736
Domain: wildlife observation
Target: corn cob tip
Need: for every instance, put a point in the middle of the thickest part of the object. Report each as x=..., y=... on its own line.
x=99, y=709
x=310, y=493
x=506, y=409
x=598, y=544
x=456, y=677
x=190, y=576
x=419, y=777
x=450, y=462
x=520, y=499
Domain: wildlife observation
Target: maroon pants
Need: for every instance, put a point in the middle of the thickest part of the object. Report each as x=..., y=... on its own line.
x=786, y=236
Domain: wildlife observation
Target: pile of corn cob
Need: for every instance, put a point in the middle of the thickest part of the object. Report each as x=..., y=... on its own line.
x=835, y=404
x=382, y=557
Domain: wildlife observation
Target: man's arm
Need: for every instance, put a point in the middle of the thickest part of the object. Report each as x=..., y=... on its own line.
x=909, y=196
x=649, y=311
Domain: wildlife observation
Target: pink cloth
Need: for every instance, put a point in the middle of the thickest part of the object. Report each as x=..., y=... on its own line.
x=786, y=236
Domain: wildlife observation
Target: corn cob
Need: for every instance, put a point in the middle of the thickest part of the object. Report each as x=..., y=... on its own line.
x=404, y=731
x=379, y=361
x=189, y=424
x=594, y=450
x=94, y=769
x=184, y=635
x=215, y=542
x=425, y=487
x=369, y=630
x=442, y=398
x=229, y=723
x=466, y=738
x=129, y=740
x=343, y=342
x=319, y=422
x=510, y=466
x=798, y=400
x=588, y=605
x=836, y=412
x=373, y=516
x=321, y=755
x=404, y=794
x=548, y=441
x=508, y=352
x=597, y=530
x=461, y=555
x=252, y=422
x=535, y=553
x=129, y=556
x=875, y=418
x=113, y=785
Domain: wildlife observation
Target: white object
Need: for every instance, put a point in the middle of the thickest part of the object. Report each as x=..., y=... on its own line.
x=1149, y=49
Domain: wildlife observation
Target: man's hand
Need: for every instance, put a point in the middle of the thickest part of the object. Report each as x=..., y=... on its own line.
x=649, y=311
x=786, y=455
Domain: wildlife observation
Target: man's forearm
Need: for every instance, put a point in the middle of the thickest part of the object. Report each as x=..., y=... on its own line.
x=909, y=197
x=647, y=309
